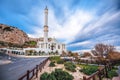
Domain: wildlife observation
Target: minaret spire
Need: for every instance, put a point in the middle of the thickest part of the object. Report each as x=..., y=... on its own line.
x=46, y=16
x=46, y=25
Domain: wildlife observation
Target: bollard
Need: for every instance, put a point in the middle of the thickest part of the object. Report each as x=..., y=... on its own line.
x=33, y=72
x=94, y=77
x=36, y=71
x=84, y=78
x=28, y=74
x=100, y=78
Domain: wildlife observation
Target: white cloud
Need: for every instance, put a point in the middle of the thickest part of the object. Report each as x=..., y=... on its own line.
x=69, y=29
x=79, y=44
x=74, y=27
x=100, y=26
x=38, y=32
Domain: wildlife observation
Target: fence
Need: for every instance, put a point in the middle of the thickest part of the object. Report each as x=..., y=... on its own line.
x=102, y=72
x=34, y=72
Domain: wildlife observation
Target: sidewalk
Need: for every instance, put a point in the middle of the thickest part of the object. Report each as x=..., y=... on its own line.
x=77, y=75
x=116, y=78
x=45, y=69
x=5, y=62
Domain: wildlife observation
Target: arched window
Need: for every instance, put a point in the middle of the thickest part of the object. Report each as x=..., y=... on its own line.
x=49, y=46
x=58, y=46
x=41, y=45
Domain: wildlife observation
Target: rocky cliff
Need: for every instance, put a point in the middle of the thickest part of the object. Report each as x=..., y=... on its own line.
x=12, y=34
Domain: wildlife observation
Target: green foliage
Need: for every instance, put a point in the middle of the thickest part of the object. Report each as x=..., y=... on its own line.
x=52, y=64
x=6, y=44
x=112, y=73
x=51, y=77
x=7, y=29
x=70, y=66
x=60, y=61
x=58, y=74
x=62, y=75
x=30, y=43
x=56, y=52
x=44, y=76
x=55, y=58
x=88, y=69
x=117, y=64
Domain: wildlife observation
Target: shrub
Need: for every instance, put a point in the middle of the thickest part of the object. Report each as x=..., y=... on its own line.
x=62, y=75
x=70, y=66
x=60, y=61
x=88, y=69
x=51, y=77
x=58, y=74
x=55, y=58
x=44, y=76
x=112, y=73
x=52, y=64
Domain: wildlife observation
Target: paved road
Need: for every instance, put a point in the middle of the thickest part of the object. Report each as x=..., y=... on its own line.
x=18, y=67
x=119, y=70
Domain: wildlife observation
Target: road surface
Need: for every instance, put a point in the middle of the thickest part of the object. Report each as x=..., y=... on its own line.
x=118, y=70
x=18, y=67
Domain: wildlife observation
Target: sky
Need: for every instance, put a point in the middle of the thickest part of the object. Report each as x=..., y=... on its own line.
x=80, y=24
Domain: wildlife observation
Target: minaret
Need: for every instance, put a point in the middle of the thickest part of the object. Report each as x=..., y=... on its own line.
x=46, y=26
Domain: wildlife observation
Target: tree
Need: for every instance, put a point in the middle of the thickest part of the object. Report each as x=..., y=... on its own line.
x=70, y=53
x=56, y=52
x=103, y=49
x=75, y=55
x=64, y=54
x=39, y=52
x=30, y=44
x=86, y=54
x=114, y=55
x=31, y=52
x=43, y=52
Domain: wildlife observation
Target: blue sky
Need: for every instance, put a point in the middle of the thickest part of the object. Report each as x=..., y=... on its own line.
x=79, y=23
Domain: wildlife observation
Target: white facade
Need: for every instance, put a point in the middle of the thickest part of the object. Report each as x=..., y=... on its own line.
x=51, y=46
x=47, y=44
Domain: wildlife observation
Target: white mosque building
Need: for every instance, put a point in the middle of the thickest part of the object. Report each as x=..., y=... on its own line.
x=47, y=44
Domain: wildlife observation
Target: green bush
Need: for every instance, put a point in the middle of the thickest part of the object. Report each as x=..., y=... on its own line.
x=70, y=66
x=58, y=74
x=88, y=69
x=51, y=77
x=44, y=76
x=62, y=75
x=60, y=61
x=52, y=64
x=55, y=58
x=112, y=73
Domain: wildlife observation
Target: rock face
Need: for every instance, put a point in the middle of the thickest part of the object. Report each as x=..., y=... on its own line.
x=12, y=35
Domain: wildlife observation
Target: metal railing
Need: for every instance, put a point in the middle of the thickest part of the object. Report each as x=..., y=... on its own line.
x=34, y=72
x=103, y=72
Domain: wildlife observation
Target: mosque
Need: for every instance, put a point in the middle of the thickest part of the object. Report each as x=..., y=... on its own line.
x=47, y=44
